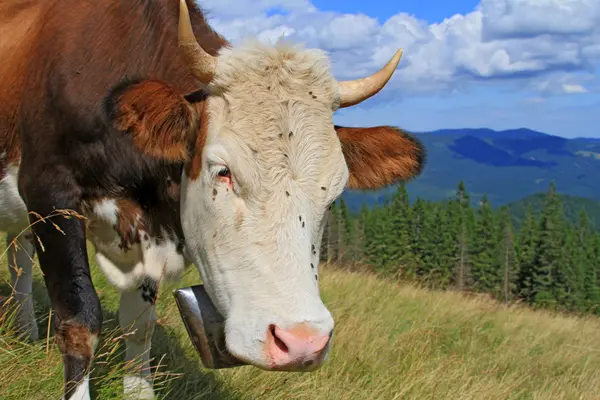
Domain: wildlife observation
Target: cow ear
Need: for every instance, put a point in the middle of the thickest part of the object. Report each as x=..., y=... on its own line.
x=380, y=156
x=160, y=121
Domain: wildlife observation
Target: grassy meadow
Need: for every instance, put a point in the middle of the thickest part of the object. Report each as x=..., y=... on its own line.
x=392, y=341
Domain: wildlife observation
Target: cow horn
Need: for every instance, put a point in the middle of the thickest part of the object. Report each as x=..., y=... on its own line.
x=356, y=91
x=201, y=63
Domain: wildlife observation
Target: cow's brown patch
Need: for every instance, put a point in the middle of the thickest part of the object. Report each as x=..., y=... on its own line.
x=160, y=121
x=20, y=24
x=129, y=222
x=76, y=339
x=194, y=167
x=380, y=156
x=174, y=190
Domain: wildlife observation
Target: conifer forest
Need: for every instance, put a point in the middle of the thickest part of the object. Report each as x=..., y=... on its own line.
x=547, y=262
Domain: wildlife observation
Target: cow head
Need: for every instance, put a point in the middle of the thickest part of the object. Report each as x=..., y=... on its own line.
x=267, y=162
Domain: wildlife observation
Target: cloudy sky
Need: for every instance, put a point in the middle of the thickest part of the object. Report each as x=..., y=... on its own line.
x=490, y=63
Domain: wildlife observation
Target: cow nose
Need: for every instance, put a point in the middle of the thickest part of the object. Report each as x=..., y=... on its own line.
x=296, y=349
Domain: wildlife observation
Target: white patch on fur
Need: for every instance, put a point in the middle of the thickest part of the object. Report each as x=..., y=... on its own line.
x=137, y=388
x=13, y=212
x=270, y=122
x=82, y=392
x=20, y=259
x=14, y=221
x=137, y=319
x=125, y=269
x=106, y=210
x=161, y=261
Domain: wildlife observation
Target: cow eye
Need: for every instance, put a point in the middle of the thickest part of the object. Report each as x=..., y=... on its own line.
x=224, y=173
x=224, y=176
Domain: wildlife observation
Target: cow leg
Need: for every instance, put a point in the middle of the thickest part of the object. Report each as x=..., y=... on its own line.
x=63, y=258
x=20, y=261
x=137, y=318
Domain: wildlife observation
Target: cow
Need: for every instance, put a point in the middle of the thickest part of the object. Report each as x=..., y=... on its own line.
x=134, y=125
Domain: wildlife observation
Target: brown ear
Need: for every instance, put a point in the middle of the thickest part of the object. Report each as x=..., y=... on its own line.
x=380, y=156
x=160, y=121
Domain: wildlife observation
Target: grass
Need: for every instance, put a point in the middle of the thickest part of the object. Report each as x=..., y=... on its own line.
x=391, y=342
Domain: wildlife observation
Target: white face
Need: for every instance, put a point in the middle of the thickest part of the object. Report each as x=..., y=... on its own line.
x=253, y=219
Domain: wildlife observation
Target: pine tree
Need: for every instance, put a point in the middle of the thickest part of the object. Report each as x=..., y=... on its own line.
x=462, y=196
x=566, y=277
x=435, y=246
x=484, y=266
x=550, y=252
x=592, y=276
x=377, y=239
x=446, y=231
x=509, y=262
x=401, y=253
x=587, y=294
x=418, y=230
x=358, y=242
x=527, y=252
x=462, y=219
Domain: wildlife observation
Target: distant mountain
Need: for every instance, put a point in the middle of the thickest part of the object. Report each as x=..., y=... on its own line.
x=507, y=165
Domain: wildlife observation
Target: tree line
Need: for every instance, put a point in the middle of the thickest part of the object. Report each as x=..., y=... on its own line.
x=549, y=262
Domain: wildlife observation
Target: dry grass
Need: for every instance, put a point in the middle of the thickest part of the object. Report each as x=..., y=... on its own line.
x=391, y=342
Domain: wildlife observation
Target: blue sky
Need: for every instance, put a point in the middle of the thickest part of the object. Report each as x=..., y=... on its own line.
x=429, y=10
x=499, y=64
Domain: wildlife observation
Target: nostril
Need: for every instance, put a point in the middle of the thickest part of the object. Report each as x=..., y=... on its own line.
x=278, y=342
x=299, y=340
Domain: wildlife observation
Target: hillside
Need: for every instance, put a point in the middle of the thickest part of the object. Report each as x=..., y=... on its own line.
x=392, y=341
x=571, y=206
x=507, y=165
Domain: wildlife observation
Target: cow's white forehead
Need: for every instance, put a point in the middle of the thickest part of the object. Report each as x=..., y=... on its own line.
x=282, y=70
x=273, y=110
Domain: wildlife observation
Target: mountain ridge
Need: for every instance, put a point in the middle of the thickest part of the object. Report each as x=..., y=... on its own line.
x=507, y=165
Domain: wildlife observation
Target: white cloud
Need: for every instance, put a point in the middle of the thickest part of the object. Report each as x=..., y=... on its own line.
x=533, y=18
x=348, y=32
x=273, y=35
x=570, y=88
x=547, y=43
x=560, y=84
